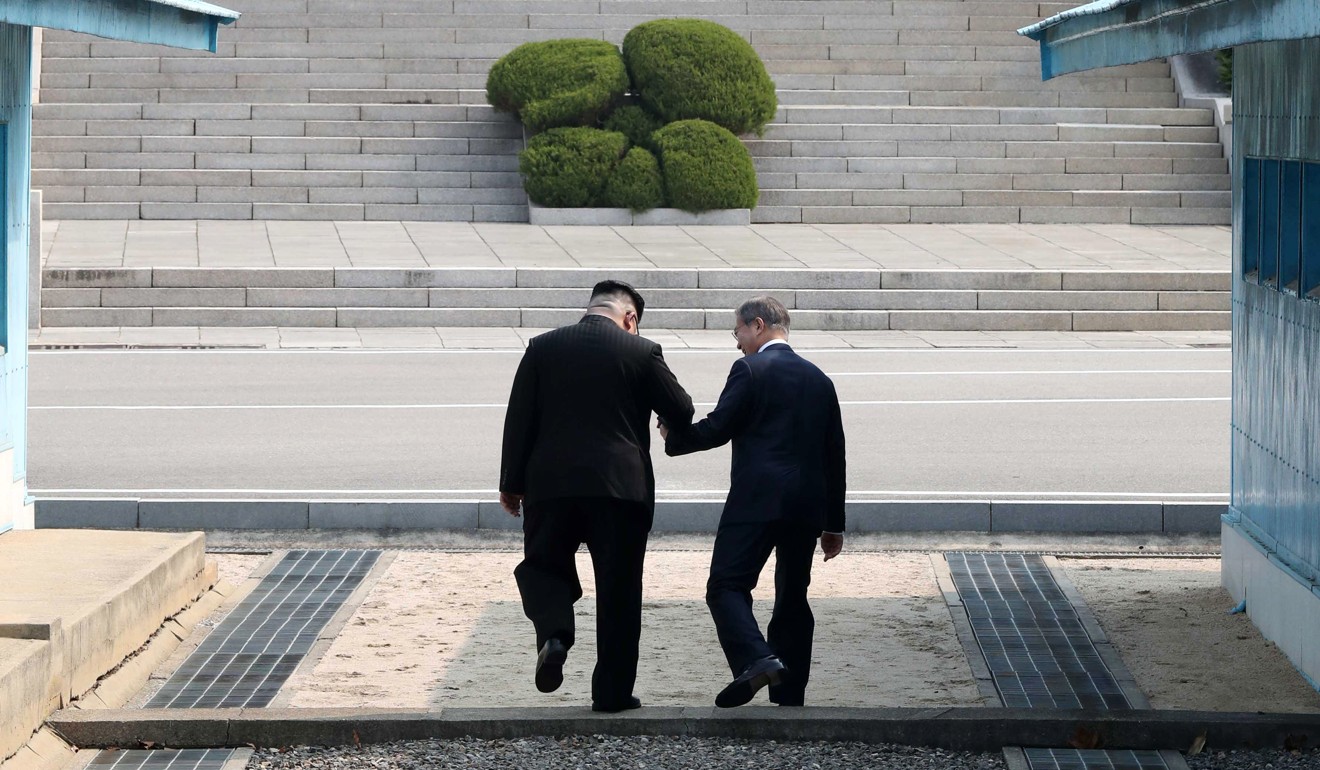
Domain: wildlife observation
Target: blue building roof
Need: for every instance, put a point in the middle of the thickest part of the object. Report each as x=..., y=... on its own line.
x=1111, y=32
x=177, y=23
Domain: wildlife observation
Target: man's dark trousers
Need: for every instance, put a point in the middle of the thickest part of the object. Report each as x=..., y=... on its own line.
x=615, y=532
x=741, y=551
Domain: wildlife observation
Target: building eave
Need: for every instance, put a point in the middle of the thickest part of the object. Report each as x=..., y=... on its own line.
x=176, y=23
x=1107, y=33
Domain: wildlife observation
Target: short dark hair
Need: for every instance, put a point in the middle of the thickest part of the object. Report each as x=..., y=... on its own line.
x=619, y=290
x=766, y=308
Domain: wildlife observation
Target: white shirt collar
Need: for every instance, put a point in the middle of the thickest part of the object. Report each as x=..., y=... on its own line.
x=772, y=342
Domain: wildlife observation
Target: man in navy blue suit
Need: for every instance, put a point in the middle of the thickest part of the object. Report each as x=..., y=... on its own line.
x=786, y=491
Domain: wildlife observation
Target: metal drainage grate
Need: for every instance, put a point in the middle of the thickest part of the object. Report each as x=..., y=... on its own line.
x=1094, y=759
x=186, y=759
x=1033, y=640
x=245, y=660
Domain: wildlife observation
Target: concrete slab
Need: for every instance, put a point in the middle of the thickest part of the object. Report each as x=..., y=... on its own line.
x=1076, y=517
x=26, y=695
x=222, y=514
x=80, y=602
x=392, y=514
x=963, y=729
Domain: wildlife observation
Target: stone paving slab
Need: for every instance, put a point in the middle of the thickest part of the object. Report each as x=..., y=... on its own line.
x=515, y=338
x=267, y=244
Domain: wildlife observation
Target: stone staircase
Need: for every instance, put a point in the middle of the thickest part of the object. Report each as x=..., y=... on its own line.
x=892, y=111
x=837, y=300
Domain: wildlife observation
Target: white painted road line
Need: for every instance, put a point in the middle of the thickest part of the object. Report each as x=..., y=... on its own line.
x=807, y=351
x=250, y=407
x=710, y=493
x=1033, y=372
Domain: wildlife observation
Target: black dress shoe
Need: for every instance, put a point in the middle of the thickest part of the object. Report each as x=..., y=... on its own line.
x=613, y=708
x=550, y=665
x=766, y=671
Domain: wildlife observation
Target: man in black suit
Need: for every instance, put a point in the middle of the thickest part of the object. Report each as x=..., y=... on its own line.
x=577, y=459
x=786, y=490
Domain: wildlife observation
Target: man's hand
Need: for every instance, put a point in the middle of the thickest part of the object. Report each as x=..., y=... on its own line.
x=831, y=545
x=511, y=503
x=664, y=429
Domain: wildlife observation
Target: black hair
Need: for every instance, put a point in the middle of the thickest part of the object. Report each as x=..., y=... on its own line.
x=611, y=289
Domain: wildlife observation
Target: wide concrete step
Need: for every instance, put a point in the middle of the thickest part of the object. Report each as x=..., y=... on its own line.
x=75, y=604
x=1061, y=214
x=951, y=115
x=663, y=318
x=819, y=299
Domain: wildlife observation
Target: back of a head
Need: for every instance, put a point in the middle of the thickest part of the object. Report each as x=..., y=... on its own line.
x=766, y=308
x=619, y=295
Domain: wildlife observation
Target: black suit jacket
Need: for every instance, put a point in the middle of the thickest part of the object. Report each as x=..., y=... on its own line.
x=782, y=415
x=579, y=417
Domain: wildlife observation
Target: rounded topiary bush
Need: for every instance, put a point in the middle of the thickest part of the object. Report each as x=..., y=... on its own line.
x=570, y=82
x=568, y=167
x=692, y=68
x=705, y=167
x=636, y=123
x=636, y=184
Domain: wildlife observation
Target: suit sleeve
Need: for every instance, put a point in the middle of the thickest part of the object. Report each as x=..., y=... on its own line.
x=519, y=427
x=728, y=419
x=836, y=468
x=668, y=398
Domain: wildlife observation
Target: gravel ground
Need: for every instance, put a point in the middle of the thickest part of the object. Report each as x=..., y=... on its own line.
x=661, y=753
x=609, y=753
x=1256, y=760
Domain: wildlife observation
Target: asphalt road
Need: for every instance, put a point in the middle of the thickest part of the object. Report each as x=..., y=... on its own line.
x=921, y=424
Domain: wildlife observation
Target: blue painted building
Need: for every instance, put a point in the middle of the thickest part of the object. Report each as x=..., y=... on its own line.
x=1271, y=536
x=178, y=23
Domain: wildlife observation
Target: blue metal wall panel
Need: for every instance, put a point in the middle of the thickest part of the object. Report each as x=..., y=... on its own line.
x=1269, y=220
x=1310, y=246
x=1248, y=227
x=1276, y=336
x=1290, y=224
x=16, y=115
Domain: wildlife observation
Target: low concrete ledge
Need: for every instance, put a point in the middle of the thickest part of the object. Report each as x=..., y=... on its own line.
x=670, y=515
x=959, y=729
x=603, y=217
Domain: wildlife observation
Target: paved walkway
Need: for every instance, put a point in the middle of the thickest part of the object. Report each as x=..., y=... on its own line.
x=256, y=244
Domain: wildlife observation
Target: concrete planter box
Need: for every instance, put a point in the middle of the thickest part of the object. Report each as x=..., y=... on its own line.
x=541, y=215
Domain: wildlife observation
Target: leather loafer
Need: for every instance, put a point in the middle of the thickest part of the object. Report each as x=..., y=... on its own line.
x=633, y=702
x=766, y=671
x=550, y=665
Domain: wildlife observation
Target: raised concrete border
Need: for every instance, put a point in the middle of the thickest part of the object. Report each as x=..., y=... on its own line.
x=606, y=217
x=63, y=640
x=959, y=729
x=1283, y=604
x=670, y=515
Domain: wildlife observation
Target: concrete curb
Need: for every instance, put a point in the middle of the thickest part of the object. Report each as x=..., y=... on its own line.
x=960, y=729
x=670, y=516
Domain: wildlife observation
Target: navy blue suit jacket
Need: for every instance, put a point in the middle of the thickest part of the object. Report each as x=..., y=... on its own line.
x=782, y=414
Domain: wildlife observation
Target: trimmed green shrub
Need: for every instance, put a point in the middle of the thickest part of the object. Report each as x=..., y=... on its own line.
x=705, y=167
x=1224, y=67
x=692, y=68
x=636, y=184
x=570, y=82
x=636, y=123
x=568, y=167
